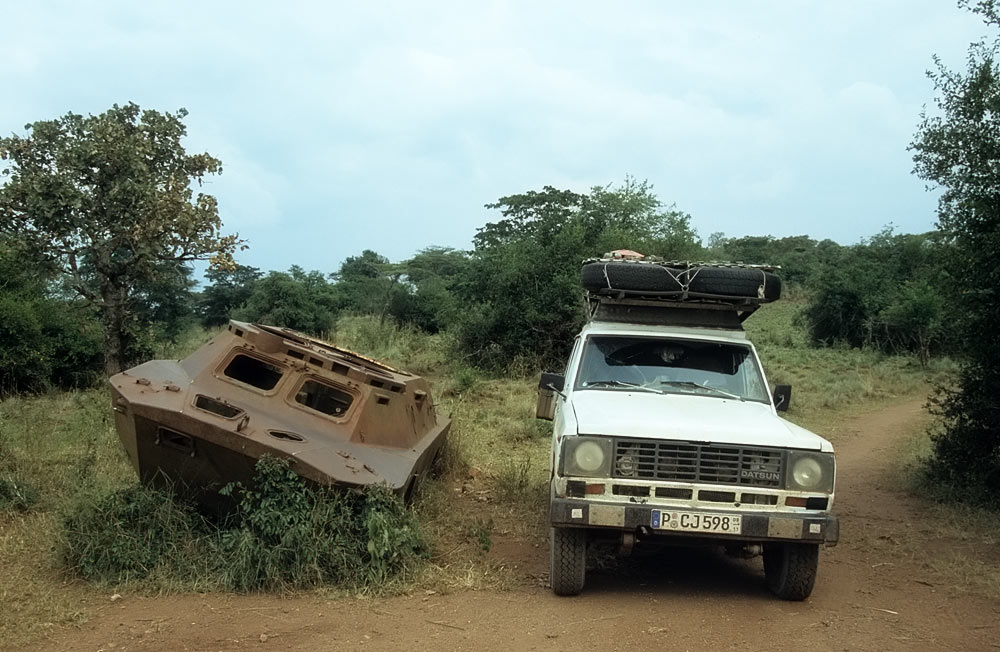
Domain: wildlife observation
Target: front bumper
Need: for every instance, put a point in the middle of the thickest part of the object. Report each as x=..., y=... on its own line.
x=815, y=527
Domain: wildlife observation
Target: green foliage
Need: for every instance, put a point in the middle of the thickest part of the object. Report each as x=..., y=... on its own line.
x=128, y=535
x=521, y=294
x=427, y=290
x=287, y=534
x=107, y=201
x=229, y=290
x=801, y=258
x=297, y=299
x=164, y=302
x=890, y=293
x=283, y=534
x=45, y=340
x=958, y=148
x=366, y=284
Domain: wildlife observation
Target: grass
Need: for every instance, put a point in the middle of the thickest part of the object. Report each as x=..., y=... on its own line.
x=61, y=448
x=964, y=537
x=834, y=378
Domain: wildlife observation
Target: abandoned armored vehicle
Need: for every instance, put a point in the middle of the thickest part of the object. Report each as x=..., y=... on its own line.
x=338, y=417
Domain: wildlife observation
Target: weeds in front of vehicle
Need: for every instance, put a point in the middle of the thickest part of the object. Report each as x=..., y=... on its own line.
x=283, y=535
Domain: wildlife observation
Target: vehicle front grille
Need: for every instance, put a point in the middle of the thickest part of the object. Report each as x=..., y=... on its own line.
x=680, y=461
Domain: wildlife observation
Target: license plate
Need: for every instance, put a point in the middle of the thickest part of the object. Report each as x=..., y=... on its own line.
x=696, y=522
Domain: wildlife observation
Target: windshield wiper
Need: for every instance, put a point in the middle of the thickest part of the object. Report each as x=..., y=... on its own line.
x=620, y=383
x=688, y=383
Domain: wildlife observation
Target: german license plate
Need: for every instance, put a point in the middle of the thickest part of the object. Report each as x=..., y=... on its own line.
x=696, y=522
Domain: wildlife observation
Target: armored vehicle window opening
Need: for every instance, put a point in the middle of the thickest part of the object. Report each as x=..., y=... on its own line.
x=671, y=366
x=218, y=407
x=323, y=398
x=254, y=372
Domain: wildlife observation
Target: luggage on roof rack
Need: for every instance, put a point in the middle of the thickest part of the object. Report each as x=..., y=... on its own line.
x=725, y=283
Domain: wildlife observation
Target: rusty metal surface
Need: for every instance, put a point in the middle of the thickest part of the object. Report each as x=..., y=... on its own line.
x=339, y=417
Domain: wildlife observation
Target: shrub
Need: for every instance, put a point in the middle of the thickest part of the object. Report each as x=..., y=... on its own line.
x=287, y=534
x=283, y=534
x=126, y=535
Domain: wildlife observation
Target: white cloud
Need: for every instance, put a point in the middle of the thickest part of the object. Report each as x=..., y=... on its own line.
x=329, y=116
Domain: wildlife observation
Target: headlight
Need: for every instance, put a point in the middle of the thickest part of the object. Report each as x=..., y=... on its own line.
x=808, y=471
x=586, y=456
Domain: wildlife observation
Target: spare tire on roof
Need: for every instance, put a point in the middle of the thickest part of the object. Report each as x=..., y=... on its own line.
x=697, y=281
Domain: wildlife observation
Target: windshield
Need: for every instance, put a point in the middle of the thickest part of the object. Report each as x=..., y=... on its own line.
x=671, y=366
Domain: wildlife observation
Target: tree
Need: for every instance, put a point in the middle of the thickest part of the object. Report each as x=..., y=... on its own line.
x=113, y=192
x=45, y=339
x=366, y=283
x=297, y=299
x=957, y=147
x=521, y=293
x=426, y=295
x=229, y=290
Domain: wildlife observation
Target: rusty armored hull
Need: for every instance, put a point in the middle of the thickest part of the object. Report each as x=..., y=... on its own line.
x=338, y=417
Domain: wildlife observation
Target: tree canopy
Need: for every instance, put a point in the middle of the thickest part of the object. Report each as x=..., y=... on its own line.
x=521, y=296
x=111, y=193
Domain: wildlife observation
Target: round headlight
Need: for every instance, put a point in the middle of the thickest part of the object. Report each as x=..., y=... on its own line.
x=807, y=473
x=588, y=456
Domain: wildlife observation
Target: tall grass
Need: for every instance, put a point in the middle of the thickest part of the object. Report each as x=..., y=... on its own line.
x=833, y=378
x=284, y=535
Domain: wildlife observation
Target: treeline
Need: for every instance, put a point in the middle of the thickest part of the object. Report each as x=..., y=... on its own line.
x=511, y=304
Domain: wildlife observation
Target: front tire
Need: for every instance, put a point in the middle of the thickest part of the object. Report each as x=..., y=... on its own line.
x=567, y=560
x=790, y=569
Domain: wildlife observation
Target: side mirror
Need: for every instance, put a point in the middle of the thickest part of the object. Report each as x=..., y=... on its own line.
x=552, y=381
x=782, y=397
x=548, y=386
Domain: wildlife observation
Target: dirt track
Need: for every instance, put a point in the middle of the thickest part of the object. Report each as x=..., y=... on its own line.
x=875, y=592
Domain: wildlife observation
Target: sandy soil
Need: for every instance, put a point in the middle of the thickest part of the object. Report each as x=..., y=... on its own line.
x=876, y=591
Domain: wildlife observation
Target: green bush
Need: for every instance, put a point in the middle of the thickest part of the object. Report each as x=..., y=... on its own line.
x=46, y=343
x=301, y=300
x=283, y=534
x=286, y=534
x=127, y=535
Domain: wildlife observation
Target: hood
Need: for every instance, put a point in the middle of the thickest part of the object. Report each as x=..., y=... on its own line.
x=689, y=418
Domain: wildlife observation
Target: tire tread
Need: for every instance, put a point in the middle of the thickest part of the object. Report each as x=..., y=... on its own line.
x=568, y=561
x=790, y=569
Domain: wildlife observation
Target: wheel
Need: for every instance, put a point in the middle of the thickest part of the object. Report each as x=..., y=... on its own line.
x=790, y=569
x=567, y=560
x=736, y=282
x=631, y=277
x=706, y=281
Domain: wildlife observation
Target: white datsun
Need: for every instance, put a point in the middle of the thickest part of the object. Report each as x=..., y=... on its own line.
x=668, y=434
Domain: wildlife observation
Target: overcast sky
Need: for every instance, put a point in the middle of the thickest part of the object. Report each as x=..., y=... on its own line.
x=388, y=125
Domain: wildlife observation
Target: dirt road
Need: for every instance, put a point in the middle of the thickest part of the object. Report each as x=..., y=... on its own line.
x=876, y=591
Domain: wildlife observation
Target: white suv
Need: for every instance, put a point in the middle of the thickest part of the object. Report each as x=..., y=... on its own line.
x=664, y=431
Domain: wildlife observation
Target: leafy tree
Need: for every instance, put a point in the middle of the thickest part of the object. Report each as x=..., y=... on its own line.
x=297, y=299
x=230, y=288
x=113, y=191
x=366, y=284
x=521, y=295
x=887, y=292
x=426, y=295
x=957, y=147
x=45, y=339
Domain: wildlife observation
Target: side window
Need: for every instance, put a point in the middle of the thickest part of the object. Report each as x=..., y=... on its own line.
x=253, y=372
x=323, y=398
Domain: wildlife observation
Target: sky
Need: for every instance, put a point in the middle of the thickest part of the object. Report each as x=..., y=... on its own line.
x=345, y=126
